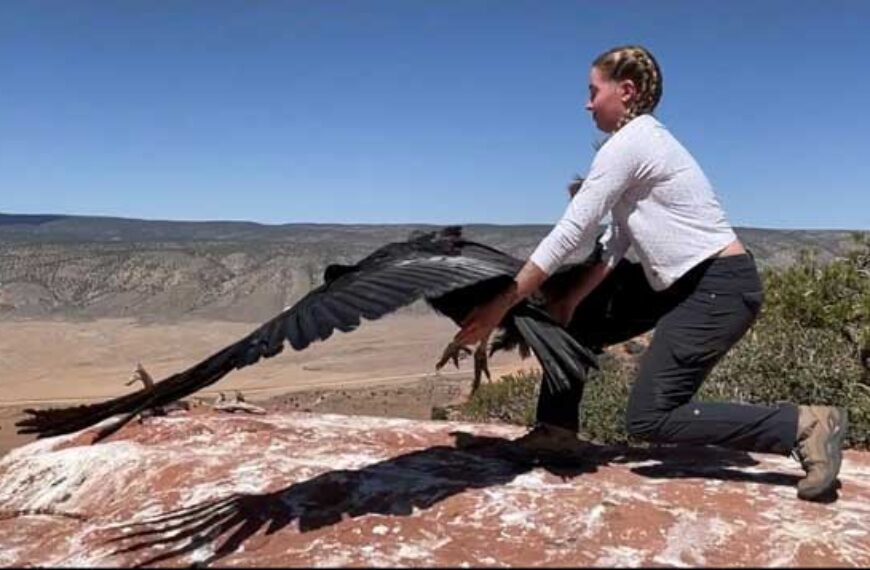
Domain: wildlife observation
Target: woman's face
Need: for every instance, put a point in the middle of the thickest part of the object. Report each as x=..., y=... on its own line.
x=608, y=99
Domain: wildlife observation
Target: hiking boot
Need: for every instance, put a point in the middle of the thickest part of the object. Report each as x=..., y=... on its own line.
x=820, y=434
x=549, y=439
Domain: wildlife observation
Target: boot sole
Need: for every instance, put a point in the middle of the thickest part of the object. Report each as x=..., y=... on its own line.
x=834, y=450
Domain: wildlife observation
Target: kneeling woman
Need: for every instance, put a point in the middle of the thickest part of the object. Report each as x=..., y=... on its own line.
x=663, y=205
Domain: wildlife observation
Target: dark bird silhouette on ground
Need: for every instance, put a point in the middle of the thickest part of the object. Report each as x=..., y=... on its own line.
x=398, y=487
x=452, y=274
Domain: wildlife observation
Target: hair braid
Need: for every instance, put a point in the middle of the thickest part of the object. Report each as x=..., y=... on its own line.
x=637, y=64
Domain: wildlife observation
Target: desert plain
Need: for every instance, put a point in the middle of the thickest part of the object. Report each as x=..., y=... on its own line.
x=384, y=367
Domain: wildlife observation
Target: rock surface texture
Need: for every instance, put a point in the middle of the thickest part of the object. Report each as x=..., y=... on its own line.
x=296, y=489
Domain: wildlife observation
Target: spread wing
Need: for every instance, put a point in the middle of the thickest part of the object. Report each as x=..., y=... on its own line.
x=391, y=277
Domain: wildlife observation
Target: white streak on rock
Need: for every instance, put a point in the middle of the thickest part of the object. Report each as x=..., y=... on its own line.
x=620, y=557
x=690, y=537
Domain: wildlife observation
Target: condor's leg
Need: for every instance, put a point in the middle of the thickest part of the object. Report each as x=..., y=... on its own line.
x=457, y=352
x=481, y=365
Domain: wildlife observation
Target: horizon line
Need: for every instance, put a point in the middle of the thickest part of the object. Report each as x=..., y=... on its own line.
x=346, y=223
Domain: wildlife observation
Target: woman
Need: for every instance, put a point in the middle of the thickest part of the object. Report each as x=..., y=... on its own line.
x=663, y=205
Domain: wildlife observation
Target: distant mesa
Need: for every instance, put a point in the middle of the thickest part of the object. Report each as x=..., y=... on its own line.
x=28, y=219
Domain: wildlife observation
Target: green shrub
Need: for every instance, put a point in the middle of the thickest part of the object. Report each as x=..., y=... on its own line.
x=834, y=296
x=805, y=348
x=602, y=414
x=510, y=400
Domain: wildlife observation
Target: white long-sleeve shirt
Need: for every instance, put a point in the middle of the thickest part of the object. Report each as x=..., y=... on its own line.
x=660, y=199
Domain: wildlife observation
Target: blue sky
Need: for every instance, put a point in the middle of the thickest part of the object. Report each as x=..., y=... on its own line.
x=407, y=111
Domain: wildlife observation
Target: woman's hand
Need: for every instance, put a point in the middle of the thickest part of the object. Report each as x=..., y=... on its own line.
x=481, y=321
x=476, y=328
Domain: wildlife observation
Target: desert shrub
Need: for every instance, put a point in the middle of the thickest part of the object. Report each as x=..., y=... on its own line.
x=510, y=400
x=810, y=345
x=602, y=414
x=833, y=296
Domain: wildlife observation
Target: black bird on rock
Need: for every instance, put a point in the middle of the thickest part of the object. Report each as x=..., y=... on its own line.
x=452, y=274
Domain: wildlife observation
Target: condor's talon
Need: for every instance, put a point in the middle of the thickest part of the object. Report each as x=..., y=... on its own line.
x=459, y=354
x=454, y=351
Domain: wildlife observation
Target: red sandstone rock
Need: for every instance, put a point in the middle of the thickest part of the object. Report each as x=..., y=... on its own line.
x=326, y=490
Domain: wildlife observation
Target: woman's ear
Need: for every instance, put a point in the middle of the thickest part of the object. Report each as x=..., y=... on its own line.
x=627, y=91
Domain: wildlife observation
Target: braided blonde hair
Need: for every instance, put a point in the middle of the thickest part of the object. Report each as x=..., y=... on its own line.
x=637, y=64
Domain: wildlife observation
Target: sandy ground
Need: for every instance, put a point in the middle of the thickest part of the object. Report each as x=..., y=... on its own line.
x=385, y=367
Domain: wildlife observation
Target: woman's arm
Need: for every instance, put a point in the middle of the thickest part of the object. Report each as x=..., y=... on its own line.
x=481, y=321
x=562, y=303
x=613, y=169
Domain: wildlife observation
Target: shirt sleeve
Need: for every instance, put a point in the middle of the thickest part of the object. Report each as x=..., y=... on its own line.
x=613, y=170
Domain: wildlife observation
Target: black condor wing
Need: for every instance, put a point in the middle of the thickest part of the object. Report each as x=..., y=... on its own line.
x=426, y=266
